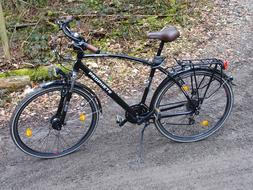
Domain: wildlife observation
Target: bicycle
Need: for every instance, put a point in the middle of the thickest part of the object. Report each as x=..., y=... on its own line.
x=190, y=104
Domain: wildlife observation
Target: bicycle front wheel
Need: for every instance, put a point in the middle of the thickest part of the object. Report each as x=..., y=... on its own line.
x=31, y=123
x=204, y=87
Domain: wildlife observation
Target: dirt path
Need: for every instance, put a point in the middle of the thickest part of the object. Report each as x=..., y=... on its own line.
x=223, y=161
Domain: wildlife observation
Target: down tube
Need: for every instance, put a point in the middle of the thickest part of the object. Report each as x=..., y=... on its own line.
x=106, y=88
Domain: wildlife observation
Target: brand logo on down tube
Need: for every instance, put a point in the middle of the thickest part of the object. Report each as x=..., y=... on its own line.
x=100, y=83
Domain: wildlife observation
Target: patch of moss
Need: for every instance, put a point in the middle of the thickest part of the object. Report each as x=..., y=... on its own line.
x=35, y=74
x=41, y=73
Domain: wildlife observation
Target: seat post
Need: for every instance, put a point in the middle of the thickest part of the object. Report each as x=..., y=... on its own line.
x=160, y=48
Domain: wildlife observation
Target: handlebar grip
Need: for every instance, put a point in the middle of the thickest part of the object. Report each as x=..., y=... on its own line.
x=92, y=48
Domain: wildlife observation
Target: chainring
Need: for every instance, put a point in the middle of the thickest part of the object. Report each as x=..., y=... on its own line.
x=139, y=109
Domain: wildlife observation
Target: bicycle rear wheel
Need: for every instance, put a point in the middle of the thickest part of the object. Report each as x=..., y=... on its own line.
x=171, y=101
x=31, y=127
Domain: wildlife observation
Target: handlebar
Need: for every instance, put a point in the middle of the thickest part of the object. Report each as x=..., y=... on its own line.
x=78, y=40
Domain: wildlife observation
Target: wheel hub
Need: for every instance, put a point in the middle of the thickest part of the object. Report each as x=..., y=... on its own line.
x=56, y=124
x=193, y=105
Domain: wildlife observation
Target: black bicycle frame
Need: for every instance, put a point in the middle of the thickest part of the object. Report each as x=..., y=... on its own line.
x=80, y=45
x=79, y=65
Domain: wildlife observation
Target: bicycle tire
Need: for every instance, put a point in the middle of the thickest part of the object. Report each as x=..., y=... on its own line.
x=173, y=129
x=17, y=125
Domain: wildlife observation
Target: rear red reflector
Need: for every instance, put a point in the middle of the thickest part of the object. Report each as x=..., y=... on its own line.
x=225, y=64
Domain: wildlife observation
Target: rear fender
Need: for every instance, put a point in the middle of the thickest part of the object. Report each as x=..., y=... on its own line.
x=175, y=76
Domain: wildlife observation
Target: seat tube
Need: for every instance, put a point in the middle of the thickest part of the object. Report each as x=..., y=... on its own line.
x=149, y=82
x=151, y=75
x=160, y=49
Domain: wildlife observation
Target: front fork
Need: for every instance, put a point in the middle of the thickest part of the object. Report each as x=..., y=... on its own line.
x=58, y=119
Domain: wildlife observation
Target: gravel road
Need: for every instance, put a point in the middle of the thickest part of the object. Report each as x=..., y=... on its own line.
x=109, y=160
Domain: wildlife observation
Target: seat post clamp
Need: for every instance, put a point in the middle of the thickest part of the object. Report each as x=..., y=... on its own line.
x=157, y=61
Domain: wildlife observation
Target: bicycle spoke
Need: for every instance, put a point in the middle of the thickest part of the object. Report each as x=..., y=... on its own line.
x=203, y=87
x=87, y=103
x=43, y=142
x=59, y=143
x=42, y=139
x=45, y=149
x=71, y=136
x=63, y=141
x=203, y=78
x=201, y=122
x=215, y=91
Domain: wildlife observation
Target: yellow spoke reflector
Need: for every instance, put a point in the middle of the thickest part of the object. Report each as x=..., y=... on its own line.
x=185, y=88
x=204, y=123
x=28, y=132
x=82, y=117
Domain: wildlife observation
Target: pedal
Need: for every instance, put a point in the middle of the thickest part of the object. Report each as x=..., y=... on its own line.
x=120, y=120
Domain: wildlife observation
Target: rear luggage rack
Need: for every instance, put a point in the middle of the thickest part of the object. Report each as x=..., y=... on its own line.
x=182, y=65
x=212, y=63
x=217, y=65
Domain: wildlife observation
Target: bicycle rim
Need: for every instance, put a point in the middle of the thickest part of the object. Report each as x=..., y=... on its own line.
x=214, y=111
x=32, y=131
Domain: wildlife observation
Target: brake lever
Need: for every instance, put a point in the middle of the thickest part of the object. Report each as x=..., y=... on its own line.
x=78, y=46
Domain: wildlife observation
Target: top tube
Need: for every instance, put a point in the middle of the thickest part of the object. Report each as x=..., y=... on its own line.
x=120, y=56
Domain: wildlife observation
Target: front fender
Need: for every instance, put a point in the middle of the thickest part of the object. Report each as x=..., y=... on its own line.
x=78, y=85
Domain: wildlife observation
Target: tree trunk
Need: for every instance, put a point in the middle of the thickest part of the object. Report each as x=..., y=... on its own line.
x=3, y=34
x=14, y=82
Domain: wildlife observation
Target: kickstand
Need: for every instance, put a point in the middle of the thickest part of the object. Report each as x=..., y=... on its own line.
x=141, y=150
x=136, y=164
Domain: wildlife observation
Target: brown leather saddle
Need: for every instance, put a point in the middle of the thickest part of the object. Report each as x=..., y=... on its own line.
x=167, y=34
